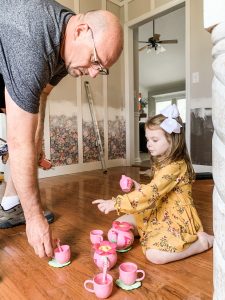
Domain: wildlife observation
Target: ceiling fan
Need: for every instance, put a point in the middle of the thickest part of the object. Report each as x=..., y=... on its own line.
x=155, y=42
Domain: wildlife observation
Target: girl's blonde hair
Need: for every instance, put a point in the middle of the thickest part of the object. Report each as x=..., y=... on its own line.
x=178, y=149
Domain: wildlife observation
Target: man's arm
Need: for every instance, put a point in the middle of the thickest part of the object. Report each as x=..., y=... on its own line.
x=21, y=130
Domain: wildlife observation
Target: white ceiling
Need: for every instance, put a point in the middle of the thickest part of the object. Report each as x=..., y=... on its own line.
x=164, y=72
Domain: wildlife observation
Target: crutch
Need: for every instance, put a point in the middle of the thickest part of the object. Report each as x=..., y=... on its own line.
x=95, y=124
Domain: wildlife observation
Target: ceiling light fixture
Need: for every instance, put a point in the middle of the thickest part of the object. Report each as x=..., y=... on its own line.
x=160, y=49
x=154, y=42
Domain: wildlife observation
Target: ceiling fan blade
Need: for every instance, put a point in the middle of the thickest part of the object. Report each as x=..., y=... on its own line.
x=143, y=42
x=142, y=48
x=168, y=42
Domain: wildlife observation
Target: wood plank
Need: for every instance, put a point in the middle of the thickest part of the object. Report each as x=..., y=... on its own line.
x=24, y=276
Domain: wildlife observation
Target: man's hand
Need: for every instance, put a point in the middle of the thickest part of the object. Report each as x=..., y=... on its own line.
x=39, y=235
x=105, y=206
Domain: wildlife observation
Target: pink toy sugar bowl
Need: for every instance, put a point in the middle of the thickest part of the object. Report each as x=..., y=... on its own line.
x=105, y=252
x=121, y=235
x=126, y=183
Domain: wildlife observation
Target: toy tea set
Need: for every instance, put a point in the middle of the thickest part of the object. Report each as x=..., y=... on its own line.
x=105, y=257
x=120, y=239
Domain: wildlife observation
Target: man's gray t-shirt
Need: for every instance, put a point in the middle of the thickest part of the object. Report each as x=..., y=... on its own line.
x=30, y=36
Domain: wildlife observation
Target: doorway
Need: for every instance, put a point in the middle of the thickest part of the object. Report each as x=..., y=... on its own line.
x=161, y=73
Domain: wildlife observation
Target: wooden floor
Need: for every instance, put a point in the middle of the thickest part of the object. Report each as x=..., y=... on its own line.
x=25, y=276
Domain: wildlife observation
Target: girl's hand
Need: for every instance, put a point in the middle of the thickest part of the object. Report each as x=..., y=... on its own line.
x=105, y=206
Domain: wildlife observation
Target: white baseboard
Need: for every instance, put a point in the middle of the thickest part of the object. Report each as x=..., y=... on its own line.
x=77, y=168
x=202, y=169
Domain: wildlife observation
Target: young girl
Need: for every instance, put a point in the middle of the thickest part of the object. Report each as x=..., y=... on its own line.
x=163, y=211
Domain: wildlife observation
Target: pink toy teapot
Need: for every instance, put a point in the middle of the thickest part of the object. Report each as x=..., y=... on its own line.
x=105, y=253
x=121, y=235
x=126, y=183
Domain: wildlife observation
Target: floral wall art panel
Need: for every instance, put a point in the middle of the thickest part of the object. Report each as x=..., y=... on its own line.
x=116, y=113
x=63, y=124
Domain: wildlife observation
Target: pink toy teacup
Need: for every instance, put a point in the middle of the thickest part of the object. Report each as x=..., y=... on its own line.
x=62, y=254
x=102, y=288
x=128, y=273
x=126, y=183
x=96, y=236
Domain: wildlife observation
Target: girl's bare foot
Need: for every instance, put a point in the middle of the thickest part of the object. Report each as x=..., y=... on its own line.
x=206, y=240
x=145, y=172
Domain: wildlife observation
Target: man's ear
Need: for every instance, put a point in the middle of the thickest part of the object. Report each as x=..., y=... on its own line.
x=80, y=29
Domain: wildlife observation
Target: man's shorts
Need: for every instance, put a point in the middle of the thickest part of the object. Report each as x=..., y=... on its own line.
x=2, y=92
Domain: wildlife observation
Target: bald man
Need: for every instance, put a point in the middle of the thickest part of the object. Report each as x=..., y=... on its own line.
x=40, y=42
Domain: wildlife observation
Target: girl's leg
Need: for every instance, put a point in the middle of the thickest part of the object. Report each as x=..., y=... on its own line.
x=204, y=242
x=129, y=219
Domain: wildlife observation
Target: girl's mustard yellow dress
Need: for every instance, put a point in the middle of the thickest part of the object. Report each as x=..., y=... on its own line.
x=163, y=209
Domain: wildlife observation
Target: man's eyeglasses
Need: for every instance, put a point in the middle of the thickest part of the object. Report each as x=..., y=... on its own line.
x=96, y=63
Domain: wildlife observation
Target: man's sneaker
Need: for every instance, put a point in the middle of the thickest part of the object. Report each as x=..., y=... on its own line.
x=15, y=216
x=3, y=147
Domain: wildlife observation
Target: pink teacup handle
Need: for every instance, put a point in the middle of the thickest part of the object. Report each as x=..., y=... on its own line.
x=85, y=285
x=140, y=278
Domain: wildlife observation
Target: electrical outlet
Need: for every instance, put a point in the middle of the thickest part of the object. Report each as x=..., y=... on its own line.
x=195, y=77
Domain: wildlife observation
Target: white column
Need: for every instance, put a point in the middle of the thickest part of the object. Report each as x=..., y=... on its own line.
x=213, y=15
x=218, y=93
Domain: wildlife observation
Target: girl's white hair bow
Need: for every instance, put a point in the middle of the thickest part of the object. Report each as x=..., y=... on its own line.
x=170, y=124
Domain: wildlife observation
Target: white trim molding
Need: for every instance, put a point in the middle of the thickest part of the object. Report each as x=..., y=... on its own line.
x=156, y=11
x=71, y=169
x=214, y=15
x=120, y=2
